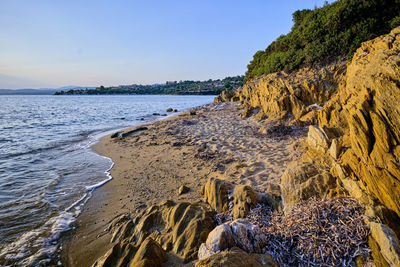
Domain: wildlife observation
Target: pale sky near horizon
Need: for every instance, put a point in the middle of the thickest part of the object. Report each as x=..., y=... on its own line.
x=47, y=43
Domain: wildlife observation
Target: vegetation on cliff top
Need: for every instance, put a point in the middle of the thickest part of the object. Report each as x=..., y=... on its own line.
x=209, y=87
x=324, y=34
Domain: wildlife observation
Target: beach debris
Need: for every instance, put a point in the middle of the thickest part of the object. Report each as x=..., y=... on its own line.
x=116, y=134
x=318, y=233
x=183, y=190
x=129, y=133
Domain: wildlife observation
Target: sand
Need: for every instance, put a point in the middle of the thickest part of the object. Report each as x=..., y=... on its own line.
x=185, y=149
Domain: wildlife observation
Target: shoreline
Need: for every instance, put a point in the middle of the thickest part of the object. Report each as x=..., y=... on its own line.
x=183, y=149
x=97, y=195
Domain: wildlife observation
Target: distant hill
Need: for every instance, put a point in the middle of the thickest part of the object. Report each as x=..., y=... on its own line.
x=323, y=34
x=209, y=87
x=27, y=91
x=41, y=91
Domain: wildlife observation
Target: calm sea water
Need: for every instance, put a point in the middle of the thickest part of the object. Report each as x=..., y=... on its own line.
x=47, y=167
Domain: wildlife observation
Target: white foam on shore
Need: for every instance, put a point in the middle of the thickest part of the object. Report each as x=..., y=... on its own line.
x=38, y=246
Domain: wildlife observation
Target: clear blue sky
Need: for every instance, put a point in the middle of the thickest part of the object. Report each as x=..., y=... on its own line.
x=47, y=43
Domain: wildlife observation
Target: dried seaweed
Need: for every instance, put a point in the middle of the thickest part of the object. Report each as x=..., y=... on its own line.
x=318, y=233
x=314, y=232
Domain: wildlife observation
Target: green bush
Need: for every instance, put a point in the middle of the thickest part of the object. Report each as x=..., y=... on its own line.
x=324, y=34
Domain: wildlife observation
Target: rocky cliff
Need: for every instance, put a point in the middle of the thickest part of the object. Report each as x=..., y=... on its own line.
x=353, y=114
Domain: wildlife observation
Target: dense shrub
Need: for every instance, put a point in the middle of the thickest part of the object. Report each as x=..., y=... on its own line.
x=323, y=34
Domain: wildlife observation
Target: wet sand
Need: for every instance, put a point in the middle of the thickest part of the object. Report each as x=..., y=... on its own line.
x=151, y=165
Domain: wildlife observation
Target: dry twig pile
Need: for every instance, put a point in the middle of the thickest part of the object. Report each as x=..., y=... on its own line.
x=318, y=233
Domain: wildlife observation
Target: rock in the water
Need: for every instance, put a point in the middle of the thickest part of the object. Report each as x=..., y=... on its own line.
x=236, y=257
x=302, y=180
x=183, y=190
x=169, y=110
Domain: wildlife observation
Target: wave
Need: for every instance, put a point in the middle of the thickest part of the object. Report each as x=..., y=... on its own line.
x=40, y=246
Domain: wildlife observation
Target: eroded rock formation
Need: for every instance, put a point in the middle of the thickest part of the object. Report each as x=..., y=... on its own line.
x=354, y=137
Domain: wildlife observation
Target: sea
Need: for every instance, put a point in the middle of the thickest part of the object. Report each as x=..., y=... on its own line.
x=48, y=170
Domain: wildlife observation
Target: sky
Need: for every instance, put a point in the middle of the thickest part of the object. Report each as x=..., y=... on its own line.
x=47, y=43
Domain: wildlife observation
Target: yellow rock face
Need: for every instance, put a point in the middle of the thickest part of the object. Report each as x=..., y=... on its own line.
x=372, y=95
x=360, y=104
x=280, y=94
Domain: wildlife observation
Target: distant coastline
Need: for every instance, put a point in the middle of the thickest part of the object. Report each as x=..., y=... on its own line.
x=209, y=87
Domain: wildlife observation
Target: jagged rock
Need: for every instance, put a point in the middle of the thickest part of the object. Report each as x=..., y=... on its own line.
x=216, y=193
x=388, y=242
x=183, y=190
x=317, y=138
x=302, y=180
x=280, y=94
x=149, y=254
x=236, y=257
x=226, y=197
x=226, y=96
x=311, y=117
x=367, y=103
x=177, y=227
x=335, y=149
x=244, y=198
x=120, y=255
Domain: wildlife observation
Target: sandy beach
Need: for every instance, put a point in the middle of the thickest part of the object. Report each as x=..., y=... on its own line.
x=186, y=149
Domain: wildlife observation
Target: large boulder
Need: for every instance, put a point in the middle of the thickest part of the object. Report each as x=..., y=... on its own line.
x=235, y=257
x=216, y=193
x=244, y=198
x=238, y=233
x=317, y=139
x=302, y=180
x=235, y=200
